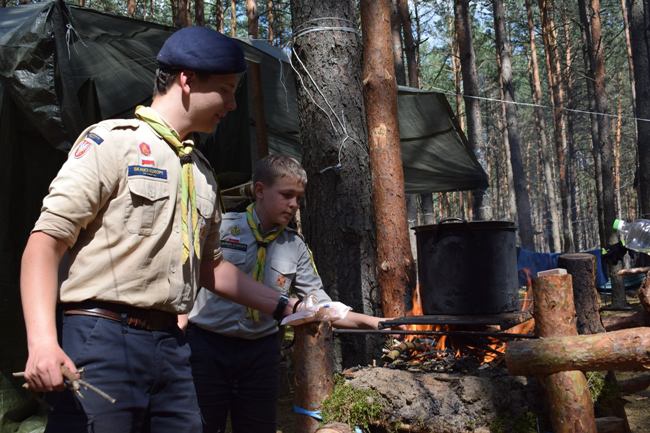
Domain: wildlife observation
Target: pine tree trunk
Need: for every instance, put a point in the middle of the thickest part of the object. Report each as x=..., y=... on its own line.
x=233, y=18
x=409, y=45
x=398, y=53
x=338, y=217
x=520, y=180
x=199, y=12
x=569, y=79
x=130, y=8
x=181, y=13
x=639, y=15
x=218, y=15
x=555, y=241
x=480, y=204
x=630, y=61
x=618, y=136
x=559, y=118
x=253, y=21
x=270, y=18
x=396, y=270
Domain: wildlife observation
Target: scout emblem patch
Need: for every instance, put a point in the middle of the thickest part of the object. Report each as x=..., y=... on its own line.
x=90, y=139
x=281, y=281
x=82, y=148
x=235, y=230
x=145, y=149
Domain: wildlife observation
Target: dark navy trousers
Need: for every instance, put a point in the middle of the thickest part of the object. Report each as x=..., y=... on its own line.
x=148, y=372
x=237, y=377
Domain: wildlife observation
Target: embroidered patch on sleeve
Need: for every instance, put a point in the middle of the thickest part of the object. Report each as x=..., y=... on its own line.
x=138, y=170
x=225, y=243
x=145, y=149
x=82, y=148
x=95, y=138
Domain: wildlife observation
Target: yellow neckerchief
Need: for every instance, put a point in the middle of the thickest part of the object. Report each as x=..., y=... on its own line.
x=262, y=243
x=188, y=191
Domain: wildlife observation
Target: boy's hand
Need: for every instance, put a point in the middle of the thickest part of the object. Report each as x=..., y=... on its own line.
x=43, y=368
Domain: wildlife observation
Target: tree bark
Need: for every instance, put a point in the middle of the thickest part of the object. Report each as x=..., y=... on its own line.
x=130, y=8
x=409, y=44
x=313, y=365
x=253, y=19
x=338, y=219
x=639, y=15
x=218, y=15
x=481, y=209
x=199, y=12
x=396, y=270
x=233, y=18
x=569, y=400
x=555, y=241
x=181, y=13
x=520, y=179
x=582, y=268
x=270, y=18
x=549, y=35
x=624, y=350
x=630, y=61
x=398, y=53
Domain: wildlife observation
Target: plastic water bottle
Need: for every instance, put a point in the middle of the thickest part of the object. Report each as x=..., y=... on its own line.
x=634, y=235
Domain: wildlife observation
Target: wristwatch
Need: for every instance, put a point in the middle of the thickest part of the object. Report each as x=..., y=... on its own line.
x=278, y=313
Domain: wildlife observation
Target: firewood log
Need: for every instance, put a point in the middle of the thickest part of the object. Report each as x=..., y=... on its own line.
x=625, y=350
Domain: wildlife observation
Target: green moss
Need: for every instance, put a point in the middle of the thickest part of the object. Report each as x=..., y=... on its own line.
x=355, y=407
x=506, y=423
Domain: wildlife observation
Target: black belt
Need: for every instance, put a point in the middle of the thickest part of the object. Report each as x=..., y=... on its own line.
x=151, y=320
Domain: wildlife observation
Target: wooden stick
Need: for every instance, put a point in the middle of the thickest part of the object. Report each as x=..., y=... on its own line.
x=634, y=271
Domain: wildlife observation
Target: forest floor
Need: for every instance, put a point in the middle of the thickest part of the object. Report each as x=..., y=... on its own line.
x=637, y=406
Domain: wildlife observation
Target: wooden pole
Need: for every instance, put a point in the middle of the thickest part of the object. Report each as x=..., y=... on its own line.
x=313, y=365
x=395, y=266
x=570, y=406
x=625, y=350
x=582, y=267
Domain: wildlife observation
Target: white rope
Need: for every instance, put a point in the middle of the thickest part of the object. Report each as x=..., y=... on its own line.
x=530, y=104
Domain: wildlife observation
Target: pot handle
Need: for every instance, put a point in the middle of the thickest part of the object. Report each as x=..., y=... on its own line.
x=446, y=220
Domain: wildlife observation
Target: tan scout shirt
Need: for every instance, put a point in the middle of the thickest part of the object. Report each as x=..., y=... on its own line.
x=288, y=267
x=116, y=204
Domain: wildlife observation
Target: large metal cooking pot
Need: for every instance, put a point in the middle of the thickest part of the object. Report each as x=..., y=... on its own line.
x=467, y=267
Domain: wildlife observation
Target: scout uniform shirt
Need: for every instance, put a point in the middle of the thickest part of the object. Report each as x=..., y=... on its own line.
x=288, y=266
x=116, y=204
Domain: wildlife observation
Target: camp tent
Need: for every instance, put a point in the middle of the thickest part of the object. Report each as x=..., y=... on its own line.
x=63, y=67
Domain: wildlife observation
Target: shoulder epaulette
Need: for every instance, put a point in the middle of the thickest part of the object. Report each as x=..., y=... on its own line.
x=112, y=124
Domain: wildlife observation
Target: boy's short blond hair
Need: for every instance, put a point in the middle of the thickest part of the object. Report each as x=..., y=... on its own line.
x=272, y=167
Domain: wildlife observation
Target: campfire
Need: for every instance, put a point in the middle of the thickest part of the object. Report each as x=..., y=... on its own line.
x=453, y=347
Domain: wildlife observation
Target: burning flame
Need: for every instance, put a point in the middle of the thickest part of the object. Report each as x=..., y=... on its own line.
x=491, y=351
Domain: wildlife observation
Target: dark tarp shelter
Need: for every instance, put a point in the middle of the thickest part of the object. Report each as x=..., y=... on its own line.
x=63, y=67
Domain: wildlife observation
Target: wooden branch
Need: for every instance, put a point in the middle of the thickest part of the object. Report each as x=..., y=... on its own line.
x=634, y=384
x=627, y=350
x=634, y=271
x=582, y=267
x=617, y=322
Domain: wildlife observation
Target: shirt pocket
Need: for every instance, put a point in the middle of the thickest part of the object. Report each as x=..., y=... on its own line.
x=236, y=257
x=149, y=207
x=206, y=208
x=281, y=274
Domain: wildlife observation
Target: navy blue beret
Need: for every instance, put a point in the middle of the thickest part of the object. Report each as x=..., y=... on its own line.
x=201, y=49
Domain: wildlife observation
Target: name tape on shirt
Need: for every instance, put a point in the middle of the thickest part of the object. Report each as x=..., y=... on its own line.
x=139, y=170
x=225, y=243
